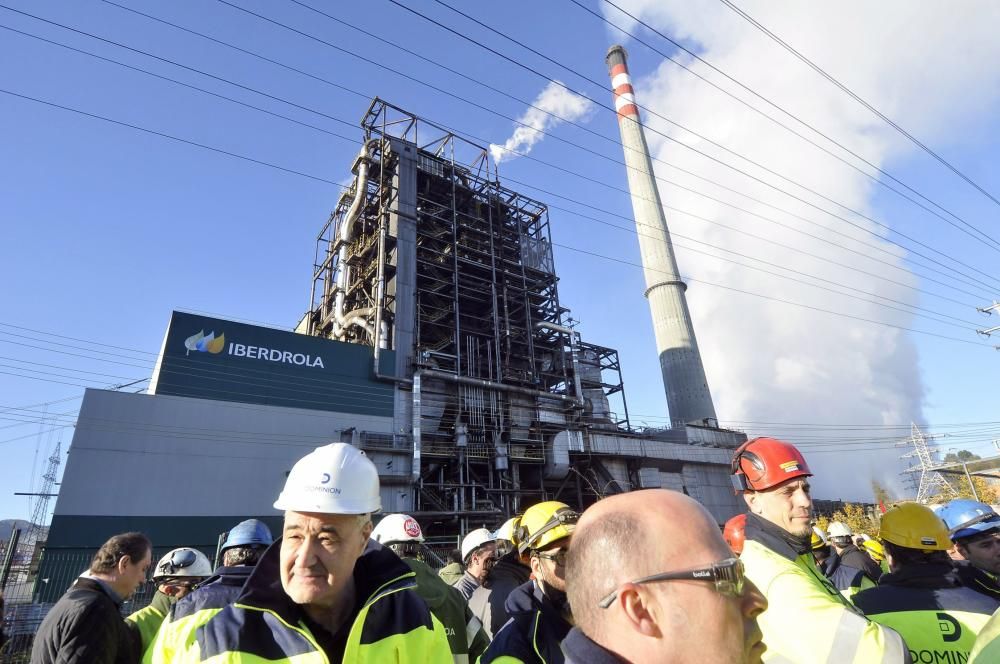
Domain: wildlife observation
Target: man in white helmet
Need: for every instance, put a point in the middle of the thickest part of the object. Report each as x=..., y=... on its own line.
x=324, y=591
x=479, y=553
x=175, y=576
x=403, y=535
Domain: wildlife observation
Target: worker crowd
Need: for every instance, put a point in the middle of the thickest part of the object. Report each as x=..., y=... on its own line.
x=642, y=577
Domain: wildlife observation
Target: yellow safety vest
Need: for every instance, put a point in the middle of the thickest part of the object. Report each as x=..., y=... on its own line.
x=370, y=641
x=147, y=621
x=986, y=650
x=808, y=620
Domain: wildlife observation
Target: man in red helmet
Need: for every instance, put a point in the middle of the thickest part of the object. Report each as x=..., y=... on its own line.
x=774, y=479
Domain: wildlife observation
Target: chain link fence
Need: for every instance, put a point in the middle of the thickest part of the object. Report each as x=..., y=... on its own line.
x=34, y=585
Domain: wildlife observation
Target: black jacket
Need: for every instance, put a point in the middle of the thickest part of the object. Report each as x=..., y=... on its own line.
x=975, y=578
x=580, y=649
x=216, y=592
x=534, y=631
x=489, y=601
x=854, y=557
x=85, y=627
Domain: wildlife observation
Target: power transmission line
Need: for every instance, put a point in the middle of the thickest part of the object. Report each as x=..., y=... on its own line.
x=322, y=114
x=631, y=230
x=494, y=112
x=996, y=243
x=666, y=136
x=610, y=258
x=858, y=99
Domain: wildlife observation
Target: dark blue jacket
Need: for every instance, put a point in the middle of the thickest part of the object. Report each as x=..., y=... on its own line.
x=846, y=577
x=580, y=649
x=216, y=592
x=535, y=629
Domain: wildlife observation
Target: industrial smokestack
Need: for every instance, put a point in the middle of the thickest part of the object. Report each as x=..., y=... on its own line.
x=688, y=397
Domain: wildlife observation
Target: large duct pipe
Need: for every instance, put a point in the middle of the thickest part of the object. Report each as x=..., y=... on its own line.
x=342, y=320
x=688, y=397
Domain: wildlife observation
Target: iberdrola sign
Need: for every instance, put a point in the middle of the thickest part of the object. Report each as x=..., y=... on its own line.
x=209, y=343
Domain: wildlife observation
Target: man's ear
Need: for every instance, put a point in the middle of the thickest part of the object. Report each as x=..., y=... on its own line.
x=635, y=607
x=535, y=564
x=123, y=564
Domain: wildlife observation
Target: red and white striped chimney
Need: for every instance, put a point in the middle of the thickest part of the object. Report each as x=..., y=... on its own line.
x=688, y=397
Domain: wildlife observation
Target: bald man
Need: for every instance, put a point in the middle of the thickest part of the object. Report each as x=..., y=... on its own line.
x=626, y=611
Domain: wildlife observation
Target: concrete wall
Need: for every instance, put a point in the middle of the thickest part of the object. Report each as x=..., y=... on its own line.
x=153, y=455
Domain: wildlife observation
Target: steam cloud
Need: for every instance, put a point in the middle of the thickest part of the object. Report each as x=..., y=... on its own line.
x=767, y=361
x=563, y=105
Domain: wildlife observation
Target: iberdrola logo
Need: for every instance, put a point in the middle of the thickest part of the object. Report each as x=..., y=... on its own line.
x=205, y=344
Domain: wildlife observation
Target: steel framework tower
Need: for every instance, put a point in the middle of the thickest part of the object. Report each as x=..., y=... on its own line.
x=931, y=481
x=688, y=396
x=431, y=259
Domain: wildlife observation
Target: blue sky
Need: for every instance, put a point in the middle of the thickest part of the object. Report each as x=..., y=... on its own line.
x=106, y=229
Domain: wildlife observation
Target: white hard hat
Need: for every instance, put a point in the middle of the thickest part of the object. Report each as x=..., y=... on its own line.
x=838, y=529
x=474, y=540
x=182, y=562
x=397, y=528
x=334, y=479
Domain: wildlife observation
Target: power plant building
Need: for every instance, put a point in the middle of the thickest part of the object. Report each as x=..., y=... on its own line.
x=434, y=340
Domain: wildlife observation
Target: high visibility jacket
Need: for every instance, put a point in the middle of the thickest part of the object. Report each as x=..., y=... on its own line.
x=264, y=625
x=147, y=620
x=190, y=612
x=533, y=633
x=807, y=619
x=936, y=616
x=847, y=579
x=986, y=649
x=466, y=637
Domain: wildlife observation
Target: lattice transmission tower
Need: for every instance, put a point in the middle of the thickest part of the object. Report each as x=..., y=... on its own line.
x=931, y=482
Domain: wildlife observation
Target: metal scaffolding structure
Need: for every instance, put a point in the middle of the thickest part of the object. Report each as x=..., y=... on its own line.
x=449, y=276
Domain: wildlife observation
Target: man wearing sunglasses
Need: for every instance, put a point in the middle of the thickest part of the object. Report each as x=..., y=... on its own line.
x=539, y=611
x=807, y=620
x=651, y=580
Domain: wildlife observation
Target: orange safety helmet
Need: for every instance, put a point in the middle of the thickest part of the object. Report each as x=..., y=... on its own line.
x=762, y=463
x=735, y=533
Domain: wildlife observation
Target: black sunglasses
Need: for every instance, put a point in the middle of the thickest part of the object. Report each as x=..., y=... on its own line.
x=727, y=575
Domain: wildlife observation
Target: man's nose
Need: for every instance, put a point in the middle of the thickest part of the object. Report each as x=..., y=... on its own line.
x=754, y=602
x=305, y=554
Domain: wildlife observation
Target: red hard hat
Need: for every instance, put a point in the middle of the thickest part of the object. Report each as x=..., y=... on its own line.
x=734, y=533
x=762, y=463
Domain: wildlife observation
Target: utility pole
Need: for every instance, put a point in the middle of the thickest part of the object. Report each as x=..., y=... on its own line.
x=931, y=481
x=989, y=312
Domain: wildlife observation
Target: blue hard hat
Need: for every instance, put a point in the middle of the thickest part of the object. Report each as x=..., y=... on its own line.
x=248, y=533
x=966, y=518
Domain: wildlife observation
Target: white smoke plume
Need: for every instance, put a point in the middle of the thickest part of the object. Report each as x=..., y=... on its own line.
x=553, y=106
x=766, y=361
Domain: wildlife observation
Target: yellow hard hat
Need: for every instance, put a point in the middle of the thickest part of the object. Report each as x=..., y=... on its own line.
x=508, y=531
x=818, y=539
x=876, y=550
x=545, y=523
x=914, y=526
